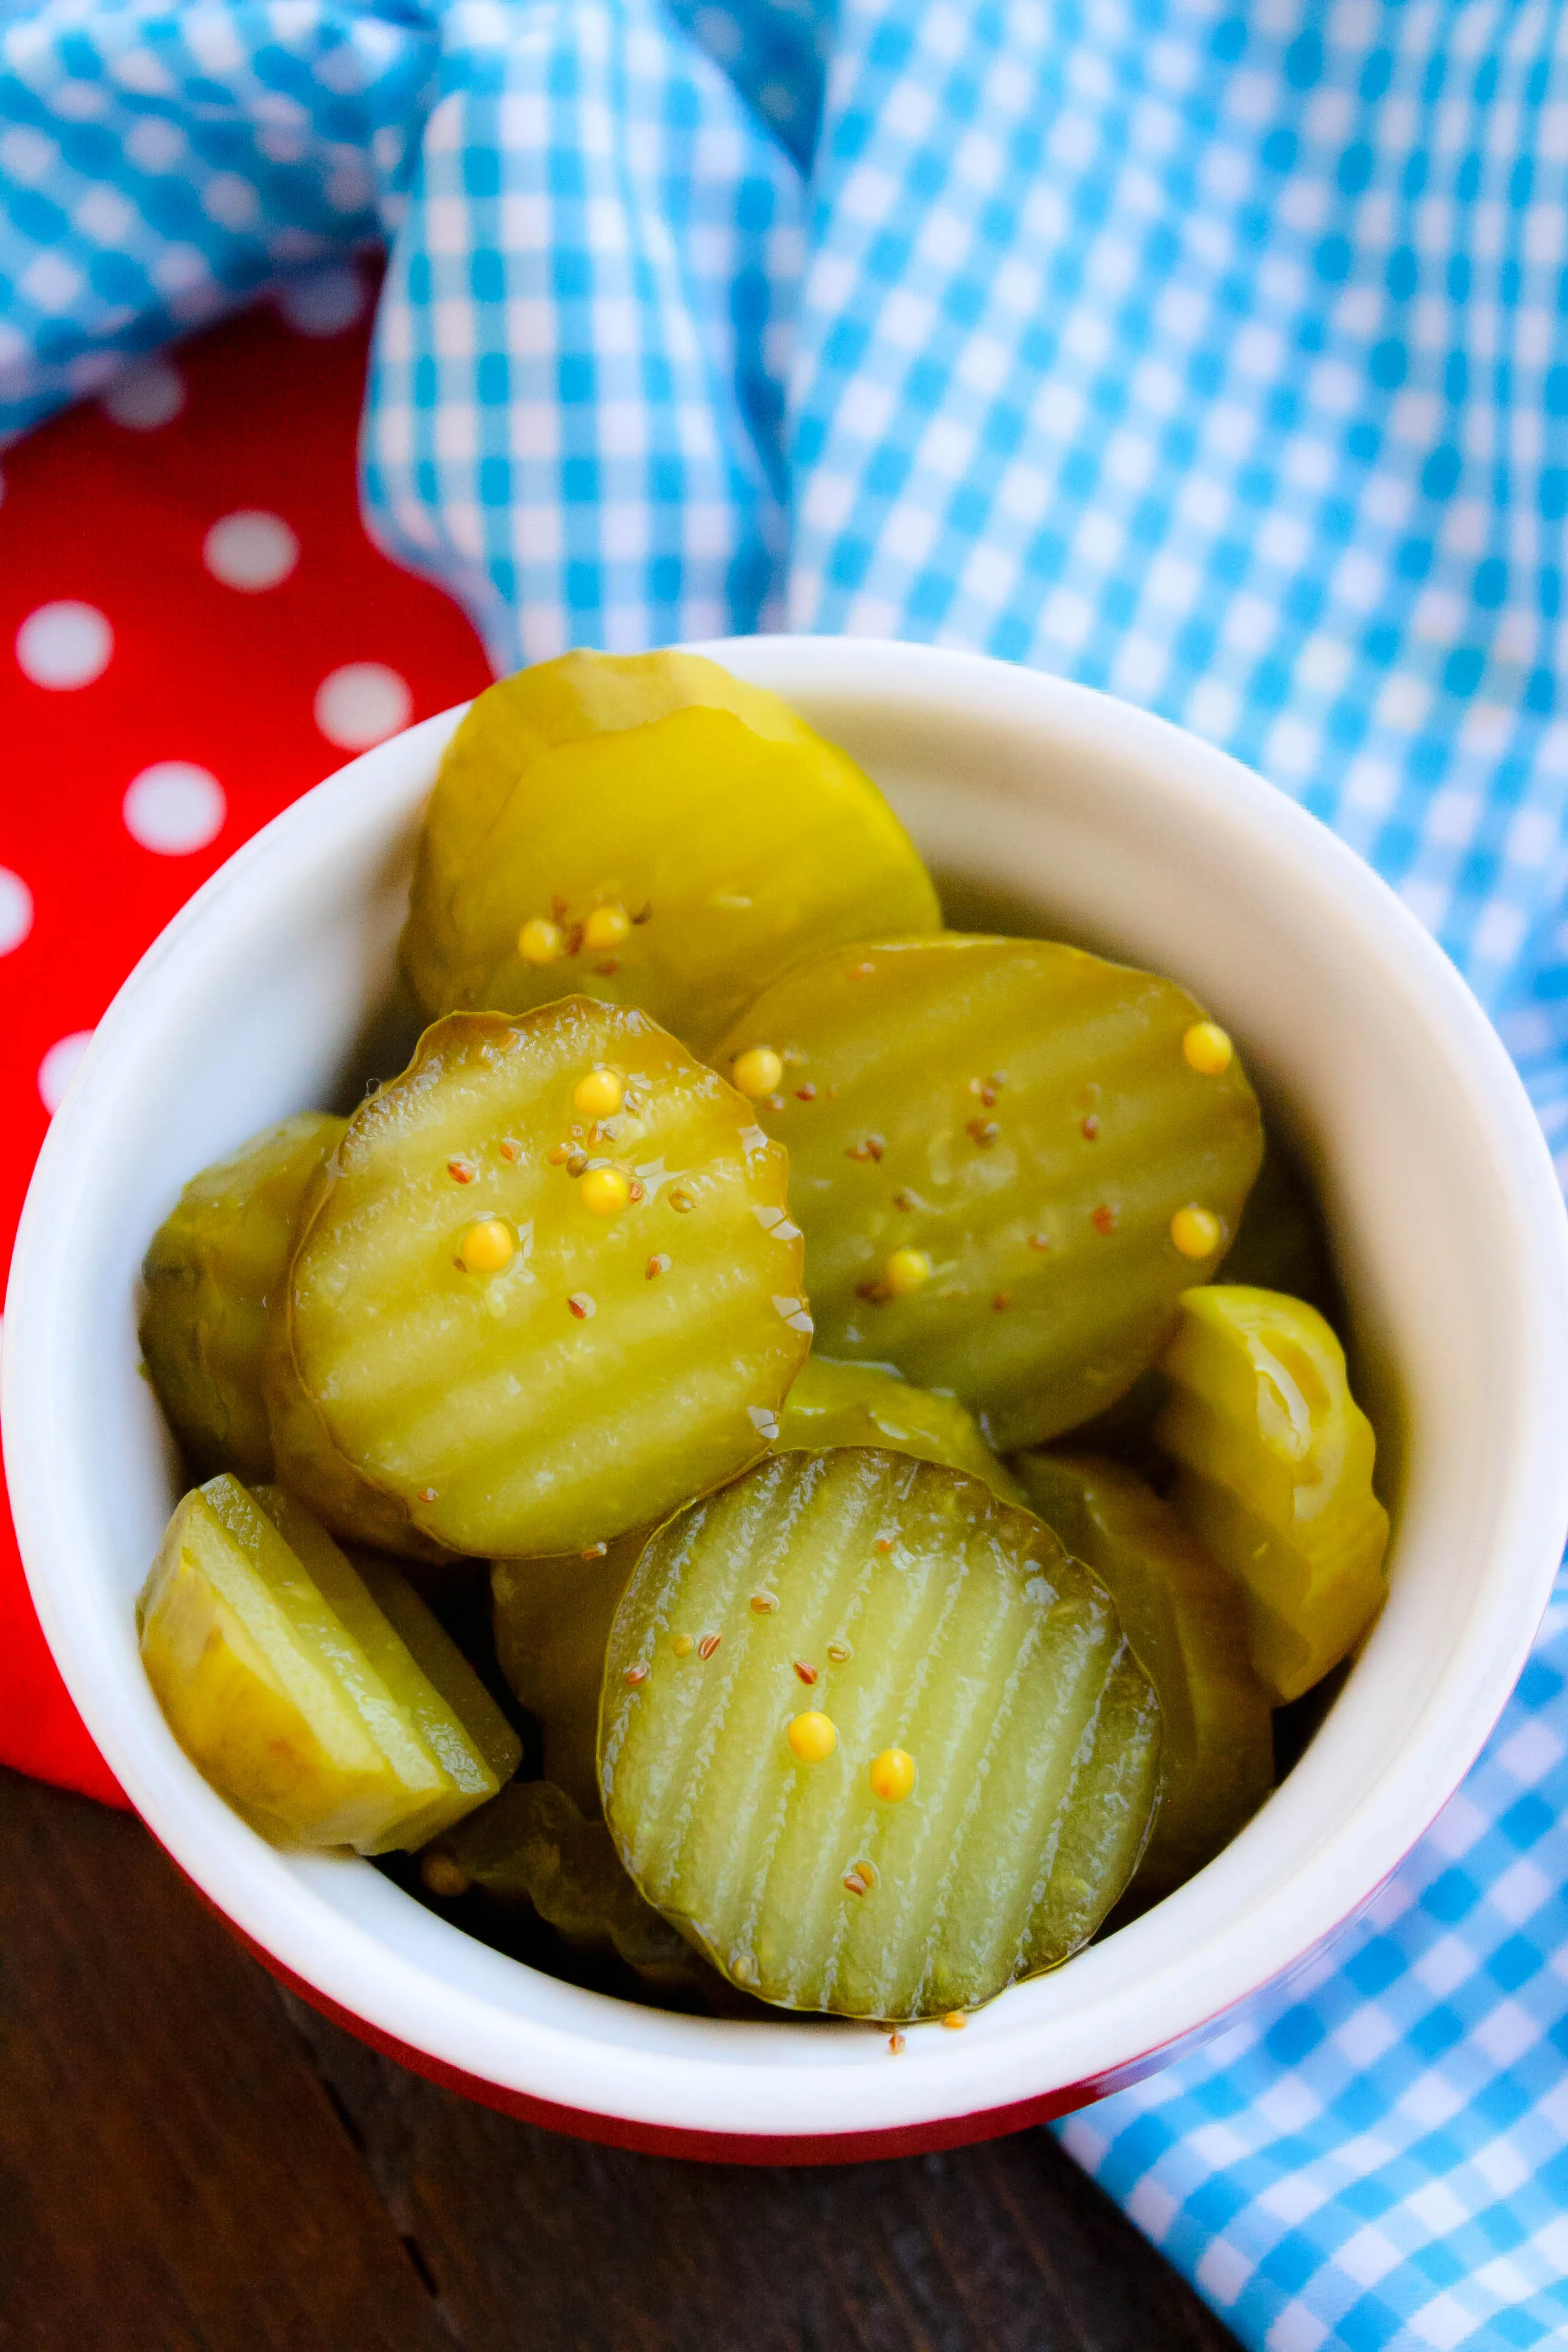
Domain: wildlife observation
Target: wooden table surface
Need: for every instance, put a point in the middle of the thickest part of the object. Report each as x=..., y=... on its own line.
x=191, y=2161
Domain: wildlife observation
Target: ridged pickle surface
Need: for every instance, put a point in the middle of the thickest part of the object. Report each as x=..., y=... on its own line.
x=318, y=1731
x=209, y=1271
x=1009, y=1159
x=550, y=1288
x=647, y=830
x=1276, y=1462
x=532, y=1846
x=1186, y=1618
x=871, y=1739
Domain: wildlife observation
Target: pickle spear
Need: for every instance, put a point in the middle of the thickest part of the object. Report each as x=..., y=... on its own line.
x=209, y=1271
x=1009, y=1159
x=872, y=1740
x=1187, y=1620
x=651, y=831
x=1276, y=1461
x=549, y=1287
x=307, y=1712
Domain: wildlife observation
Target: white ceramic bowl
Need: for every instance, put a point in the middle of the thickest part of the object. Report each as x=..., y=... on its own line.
x=1451, y=1239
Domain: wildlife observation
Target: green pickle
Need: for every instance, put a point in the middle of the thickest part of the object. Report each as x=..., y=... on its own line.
x=552, y=1617
x=1275, y=1461
x=1009, y=1159
x=836, y=1404
x=552, y=1620
x=1186, y=1619
x=549, y=1287
x=647, y=830
x=871, y=1738
x=211, y=1267
x=531, y=1844
x=294, y=1692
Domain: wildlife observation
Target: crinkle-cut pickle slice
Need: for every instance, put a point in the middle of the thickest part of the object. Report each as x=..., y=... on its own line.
x=871, y=1739
x=834, y=1404
x=306, y=1711
x=1276, y=1461
x=209, y=1271
x=552, y=1617
x=537, y=1319
x=1186, y=1618
x=649, y=831
x=1007, y=1162
x=533, y=1844
x=552, y=1620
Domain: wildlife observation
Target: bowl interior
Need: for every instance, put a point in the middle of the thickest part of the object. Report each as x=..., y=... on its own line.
x=1449, y=1238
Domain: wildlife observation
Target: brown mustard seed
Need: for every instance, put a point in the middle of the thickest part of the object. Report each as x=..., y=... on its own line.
x=596, y=1550
x=680, y=1202
x=460, y=1172
x=903, y=1200
x=896, y=2044
x=805, y=1094
x=509, y=1150
x=1001, y=1301
x=1089, y=1128
x=807, y=1674
x=955, y=2020
x=580, y=1306
x=636, y=1190
x=559, y=1155
x=635, y=1675
x=1039, y=1240
x=708, y=1644
x=1104, y=1219
x=577, y=1165
x=427, y=1495
x=657, y=1264
x=983, y=1132
x=884, y=1543
x=838, y=1652
x=853, y=1883
x=643, y=913
x=608, y=969
x=764, y=1603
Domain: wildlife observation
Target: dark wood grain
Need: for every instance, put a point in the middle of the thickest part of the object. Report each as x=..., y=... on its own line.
x=192, y=2162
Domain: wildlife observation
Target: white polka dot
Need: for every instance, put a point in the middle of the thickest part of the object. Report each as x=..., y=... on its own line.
x=64, y=644
x=15, y=910
x=145, y=397
x=250, y=550
x=323, y=303
x=173, y=808
x=58, y=1066
x=362, y=704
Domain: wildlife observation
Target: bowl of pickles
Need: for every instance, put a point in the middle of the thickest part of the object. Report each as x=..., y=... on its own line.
x=783, y=1400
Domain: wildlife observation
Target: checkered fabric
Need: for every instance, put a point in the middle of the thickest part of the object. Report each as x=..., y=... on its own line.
x=1215, y=355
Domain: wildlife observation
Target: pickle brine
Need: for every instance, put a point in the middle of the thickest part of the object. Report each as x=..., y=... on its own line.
x=549, y=1287
x=871, y=1739
x=1008, y=1158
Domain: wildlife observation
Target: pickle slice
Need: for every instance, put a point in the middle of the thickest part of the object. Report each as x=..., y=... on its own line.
x=836, y=1404
x=531, y=1844
x=415, y=1657
x=648, y=831
x=553, y=1619
x=1276, y=1461
x=537, y=1324
x=209, y=1271
x=1007, y=1162
x=871, y=1739
x=300, y=1704
x=1188, y=1622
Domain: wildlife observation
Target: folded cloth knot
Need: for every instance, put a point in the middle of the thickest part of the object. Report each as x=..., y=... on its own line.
x=1218, y=358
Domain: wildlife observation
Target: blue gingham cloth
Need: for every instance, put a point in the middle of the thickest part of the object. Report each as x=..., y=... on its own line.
x=1215, y=355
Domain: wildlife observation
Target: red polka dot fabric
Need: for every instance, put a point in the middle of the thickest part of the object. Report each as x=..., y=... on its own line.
x=193, y=630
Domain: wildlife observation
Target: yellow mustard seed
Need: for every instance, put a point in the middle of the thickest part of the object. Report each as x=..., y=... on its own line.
x=539, y=941
x=1207, y=1048
x=905, y=1271
x=604, y=1191
x=812, y=1737
x=683, y=1645
x=892, y=1775
x=1198, y=1233
x=486, y=1247
x=599, y=1094
x=606, y=926
x=757, y=1071
x=443, y=1877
